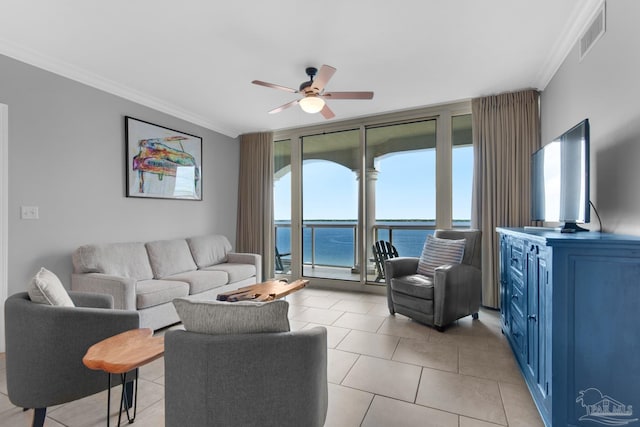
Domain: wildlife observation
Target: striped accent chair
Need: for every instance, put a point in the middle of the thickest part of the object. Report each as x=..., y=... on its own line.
x=443, y=285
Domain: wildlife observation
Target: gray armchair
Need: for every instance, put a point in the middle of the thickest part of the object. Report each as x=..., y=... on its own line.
x=265, y=379
x=454, y=292
x=45, y=346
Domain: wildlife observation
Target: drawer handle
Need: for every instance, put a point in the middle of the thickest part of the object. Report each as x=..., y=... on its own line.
x=516, y=334
x=533, y=317
x=514, y=296
x=514, y=261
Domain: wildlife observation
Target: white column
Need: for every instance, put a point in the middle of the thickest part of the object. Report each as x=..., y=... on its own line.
x=370, y=211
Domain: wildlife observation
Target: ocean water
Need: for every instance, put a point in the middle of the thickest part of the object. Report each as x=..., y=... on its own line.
x=335, y=246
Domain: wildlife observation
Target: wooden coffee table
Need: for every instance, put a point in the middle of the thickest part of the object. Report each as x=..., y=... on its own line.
x=124, y=353
x=266, y=291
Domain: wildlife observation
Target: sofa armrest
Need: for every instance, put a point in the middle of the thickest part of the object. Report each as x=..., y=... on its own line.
x=457, y=292
x=122, y=289
x=210, y=379
x=247, y=258
x=86, y=299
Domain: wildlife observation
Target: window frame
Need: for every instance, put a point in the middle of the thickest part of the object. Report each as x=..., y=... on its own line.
x=443, y=115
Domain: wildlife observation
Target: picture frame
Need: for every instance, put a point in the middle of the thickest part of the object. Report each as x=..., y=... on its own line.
x=162, y=163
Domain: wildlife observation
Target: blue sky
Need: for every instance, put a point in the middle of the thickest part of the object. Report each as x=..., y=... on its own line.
x=405, y=188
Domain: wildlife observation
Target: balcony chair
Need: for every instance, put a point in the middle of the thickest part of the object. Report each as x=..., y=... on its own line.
x=45, y=345
x=454, y=291
x=279, y=261
x=382, y=251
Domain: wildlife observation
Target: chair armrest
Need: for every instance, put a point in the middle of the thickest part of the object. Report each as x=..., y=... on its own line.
x=43, y=339
x=122, y=289
x=457, y=292
x=210, y=379
x=86, y=299
x=400, y=266
x=247, y=258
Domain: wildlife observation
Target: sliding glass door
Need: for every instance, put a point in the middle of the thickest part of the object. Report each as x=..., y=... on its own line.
x=330, y=171
x=400, y=188
x=340, y=189
x=282, y=205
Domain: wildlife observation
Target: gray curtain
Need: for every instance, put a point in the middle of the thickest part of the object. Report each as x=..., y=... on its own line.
x=254, y=233
x=506, y=131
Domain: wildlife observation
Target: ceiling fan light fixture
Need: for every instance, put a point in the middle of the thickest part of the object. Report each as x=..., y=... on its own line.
x=312, y=104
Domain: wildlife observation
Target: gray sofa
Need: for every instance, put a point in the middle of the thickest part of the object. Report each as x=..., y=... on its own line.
x=146, y=277
x=253, y=379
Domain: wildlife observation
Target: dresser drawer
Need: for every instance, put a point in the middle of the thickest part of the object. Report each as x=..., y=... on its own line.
x=518, y=304
x=516, y=257
x=518, y=338
x=517, y=280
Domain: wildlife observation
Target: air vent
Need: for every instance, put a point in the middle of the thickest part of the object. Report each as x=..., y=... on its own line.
x=593, y=33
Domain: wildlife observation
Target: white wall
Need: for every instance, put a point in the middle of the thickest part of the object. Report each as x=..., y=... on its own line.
x=67, y=156
x=605, y=88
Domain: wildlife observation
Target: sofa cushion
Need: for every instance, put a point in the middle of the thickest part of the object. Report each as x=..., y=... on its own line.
x=117, y=259
x=150, y=293
x=201, y=280
x=236, y=272
x=46, y=288
x=243, y=317
x=168, y=257
x=209, y=250
x=437, y=252
x=416, y=285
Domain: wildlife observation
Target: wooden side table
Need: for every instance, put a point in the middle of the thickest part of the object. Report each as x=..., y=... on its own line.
x=121, y=354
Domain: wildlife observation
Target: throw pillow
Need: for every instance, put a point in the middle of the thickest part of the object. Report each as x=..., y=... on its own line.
x=242, y=317
x=46, y=288
x=437, y=252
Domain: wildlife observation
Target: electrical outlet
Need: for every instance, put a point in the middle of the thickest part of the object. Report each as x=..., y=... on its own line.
x=29, y=212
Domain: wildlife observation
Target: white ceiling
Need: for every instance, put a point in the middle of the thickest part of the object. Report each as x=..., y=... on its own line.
x=195, y=59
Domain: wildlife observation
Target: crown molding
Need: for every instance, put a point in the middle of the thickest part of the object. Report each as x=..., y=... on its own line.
x=36, y=59
x=581, y=16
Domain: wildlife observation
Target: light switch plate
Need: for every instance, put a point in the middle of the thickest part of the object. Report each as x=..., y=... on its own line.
x=29, y=212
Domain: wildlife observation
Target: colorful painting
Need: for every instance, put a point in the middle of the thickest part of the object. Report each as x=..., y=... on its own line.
x=161, y=162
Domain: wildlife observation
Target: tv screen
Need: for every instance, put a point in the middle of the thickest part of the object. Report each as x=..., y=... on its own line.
x=560, y=179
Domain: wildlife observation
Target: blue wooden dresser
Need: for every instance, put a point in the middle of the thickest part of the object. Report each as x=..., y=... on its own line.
x=570, y=308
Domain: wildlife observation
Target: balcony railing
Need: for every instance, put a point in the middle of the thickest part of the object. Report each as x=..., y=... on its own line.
x=334, y=243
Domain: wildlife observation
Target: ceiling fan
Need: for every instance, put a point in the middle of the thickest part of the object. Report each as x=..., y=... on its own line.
x=314, y=97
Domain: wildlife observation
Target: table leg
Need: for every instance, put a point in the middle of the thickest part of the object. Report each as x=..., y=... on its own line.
x=129, y=397
x=134, y=397
x=108, y=396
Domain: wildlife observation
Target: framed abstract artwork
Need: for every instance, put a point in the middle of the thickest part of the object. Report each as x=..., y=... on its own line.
x=162, y=163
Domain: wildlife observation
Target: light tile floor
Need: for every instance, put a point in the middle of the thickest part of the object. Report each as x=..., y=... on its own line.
x=383, y=371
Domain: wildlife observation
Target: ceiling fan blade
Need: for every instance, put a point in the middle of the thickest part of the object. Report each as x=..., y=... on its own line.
x=348, y=95
x=324, y=74
x=274, y=86
x=284, y=107
x=327, y=113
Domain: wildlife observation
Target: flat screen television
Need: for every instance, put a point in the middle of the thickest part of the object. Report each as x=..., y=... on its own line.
x=560, y=180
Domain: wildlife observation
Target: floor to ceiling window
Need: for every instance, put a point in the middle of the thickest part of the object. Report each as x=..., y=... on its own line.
x=282, y=205
x=340, y=188
x=461, y=170
x=400, y=202
x=330, y=170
